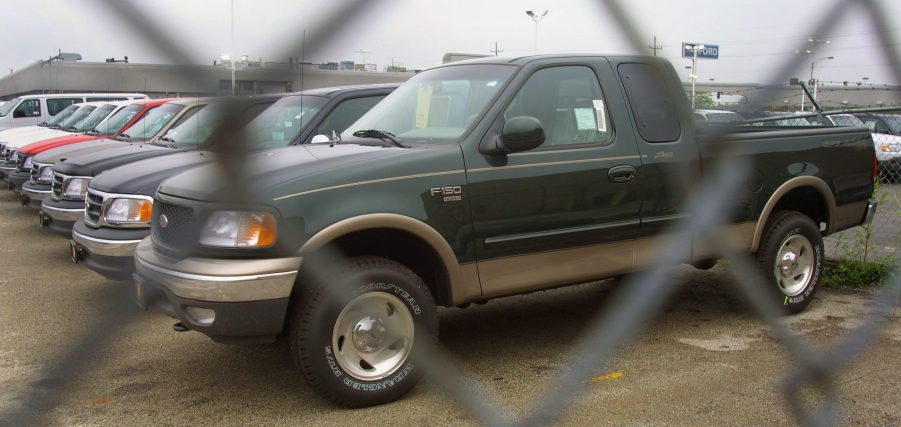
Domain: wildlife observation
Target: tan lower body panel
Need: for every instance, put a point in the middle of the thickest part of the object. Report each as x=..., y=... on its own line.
x=524, y=273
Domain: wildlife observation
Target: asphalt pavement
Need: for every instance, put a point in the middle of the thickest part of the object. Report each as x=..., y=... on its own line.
x=75, y=350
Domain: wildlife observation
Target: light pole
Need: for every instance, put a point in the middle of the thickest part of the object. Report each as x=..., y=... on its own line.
x=808, y=52
x=816, y=82
x=694, y=70
x=233, y=65
x=537, y=18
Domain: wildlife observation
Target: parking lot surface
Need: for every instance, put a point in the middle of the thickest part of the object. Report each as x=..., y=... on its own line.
x=75, y=350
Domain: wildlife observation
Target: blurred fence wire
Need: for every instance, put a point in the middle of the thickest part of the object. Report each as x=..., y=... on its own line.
x=639, y=301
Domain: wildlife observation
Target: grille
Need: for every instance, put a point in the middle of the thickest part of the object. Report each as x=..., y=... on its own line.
x=179, y=231
x=35, y=169
x=93, y=208
x=57, y=186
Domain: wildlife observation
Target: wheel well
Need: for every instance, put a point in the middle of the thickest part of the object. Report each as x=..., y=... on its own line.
x=397, y=245
x=806, y=200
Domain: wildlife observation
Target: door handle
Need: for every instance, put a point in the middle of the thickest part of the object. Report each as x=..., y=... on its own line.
x=623, y=173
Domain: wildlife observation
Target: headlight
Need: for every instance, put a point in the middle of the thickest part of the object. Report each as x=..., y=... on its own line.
x=11, y=155
x=236, y=229
x=129, y=210
x=45, y=174
x=29, y=161
x=888, y=148
x=76, y=188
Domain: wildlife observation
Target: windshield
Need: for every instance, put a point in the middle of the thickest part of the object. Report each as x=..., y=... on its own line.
x=8, y=106
x=94, y=118
x=77, y=117
x=62, y=115
x=281, y=123
x=893, y=122
x=723, y=118
x=152, y=122
x=196, y=129
x=115, y=122
x=847, y=120
x=435, y=105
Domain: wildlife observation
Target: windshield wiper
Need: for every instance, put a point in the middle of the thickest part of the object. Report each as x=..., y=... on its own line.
x=170, y=142
x=380, y=134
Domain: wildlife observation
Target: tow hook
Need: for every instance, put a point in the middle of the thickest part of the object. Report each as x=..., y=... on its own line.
x=75, y=252
x=43, y=219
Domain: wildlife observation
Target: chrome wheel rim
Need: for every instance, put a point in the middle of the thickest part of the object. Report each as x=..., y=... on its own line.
x=794, y=264
x=373, y=336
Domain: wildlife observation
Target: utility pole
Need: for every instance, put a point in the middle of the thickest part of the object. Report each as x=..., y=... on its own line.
x=496, y=50
x=363, y=52
x=654, y=46
x=537, y=18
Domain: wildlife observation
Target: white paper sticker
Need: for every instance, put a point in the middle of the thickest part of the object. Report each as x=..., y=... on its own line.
x=585, y=118
x=601, y=114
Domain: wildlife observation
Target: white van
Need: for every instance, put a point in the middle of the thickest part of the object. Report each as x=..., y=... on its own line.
x=30, y=110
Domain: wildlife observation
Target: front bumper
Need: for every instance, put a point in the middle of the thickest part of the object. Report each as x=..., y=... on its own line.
x=109, y=252
x=60, y=216
x=249, y=297
x=16, y=179
x=34, y=194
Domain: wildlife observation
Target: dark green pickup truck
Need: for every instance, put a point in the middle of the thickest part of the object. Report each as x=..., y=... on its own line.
x=472, y=181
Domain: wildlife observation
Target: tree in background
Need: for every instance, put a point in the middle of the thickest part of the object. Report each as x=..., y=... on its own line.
x=703, y=101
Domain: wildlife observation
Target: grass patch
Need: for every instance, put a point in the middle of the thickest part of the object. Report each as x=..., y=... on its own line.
x=856, y=274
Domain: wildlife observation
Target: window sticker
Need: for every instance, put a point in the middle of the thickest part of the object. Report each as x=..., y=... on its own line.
x=585, y=118
x=600, y=112
x=423, y=105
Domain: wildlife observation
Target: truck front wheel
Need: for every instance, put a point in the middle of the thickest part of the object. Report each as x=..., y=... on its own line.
x=355, y=338
x=791, y=259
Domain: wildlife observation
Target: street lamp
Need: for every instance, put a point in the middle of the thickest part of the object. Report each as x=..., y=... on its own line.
x=816, y=83
x=694, y=70
x=233, y=65
x=537, y=18
x=808, y=52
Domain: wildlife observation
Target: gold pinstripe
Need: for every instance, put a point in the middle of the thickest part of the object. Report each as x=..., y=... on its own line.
x=424, y=175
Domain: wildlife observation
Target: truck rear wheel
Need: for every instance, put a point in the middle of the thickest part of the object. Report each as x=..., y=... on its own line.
x=355, y=338
x=791, y=259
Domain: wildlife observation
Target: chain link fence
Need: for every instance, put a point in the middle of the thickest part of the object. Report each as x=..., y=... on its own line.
x=636, y=303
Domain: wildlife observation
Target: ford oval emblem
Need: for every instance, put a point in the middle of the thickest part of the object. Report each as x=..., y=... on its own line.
x=164, y=221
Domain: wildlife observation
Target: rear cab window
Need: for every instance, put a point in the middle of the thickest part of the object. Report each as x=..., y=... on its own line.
x=652, y=104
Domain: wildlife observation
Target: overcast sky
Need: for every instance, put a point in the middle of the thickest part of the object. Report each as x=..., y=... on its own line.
x=755, y=36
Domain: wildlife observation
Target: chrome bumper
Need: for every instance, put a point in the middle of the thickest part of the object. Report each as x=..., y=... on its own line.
x=104, y=247
x=65, y=215
x=218, y=280
x=7, y=168
x=871, y=212
x=36, y=195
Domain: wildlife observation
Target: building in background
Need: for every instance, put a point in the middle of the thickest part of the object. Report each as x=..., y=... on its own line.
x=159, y=80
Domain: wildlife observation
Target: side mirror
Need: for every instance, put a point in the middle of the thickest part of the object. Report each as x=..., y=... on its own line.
x=521, y=133
x=320, y=139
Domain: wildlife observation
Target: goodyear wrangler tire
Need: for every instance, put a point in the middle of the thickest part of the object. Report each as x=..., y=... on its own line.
x=791, y=259
x=354, y=338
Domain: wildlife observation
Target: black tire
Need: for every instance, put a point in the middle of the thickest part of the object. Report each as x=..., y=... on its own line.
x=799, y=265
x=329, y=354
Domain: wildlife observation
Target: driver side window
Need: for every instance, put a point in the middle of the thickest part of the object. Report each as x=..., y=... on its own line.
x=28, y=108
x=569, y=104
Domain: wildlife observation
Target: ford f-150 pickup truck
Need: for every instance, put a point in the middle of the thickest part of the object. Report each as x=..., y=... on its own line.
x=40, y=176
x=71, y=176
x=117, y=213
x=471, y=181
x=146, y=130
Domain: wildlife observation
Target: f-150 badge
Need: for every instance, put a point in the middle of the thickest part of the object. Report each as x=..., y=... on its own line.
x=450, y=194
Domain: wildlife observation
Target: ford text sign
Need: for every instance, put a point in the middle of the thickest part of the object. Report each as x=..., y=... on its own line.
x=710, y=51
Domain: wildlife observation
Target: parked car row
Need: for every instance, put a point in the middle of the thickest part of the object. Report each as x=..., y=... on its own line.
x=341, y=218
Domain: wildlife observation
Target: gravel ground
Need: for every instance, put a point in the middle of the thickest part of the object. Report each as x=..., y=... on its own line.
x=74, y=350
